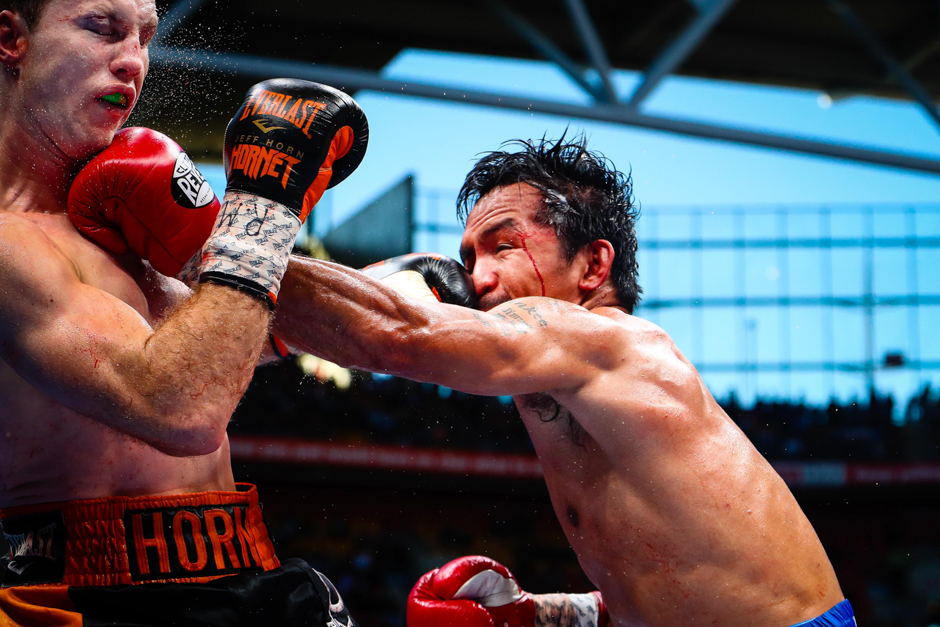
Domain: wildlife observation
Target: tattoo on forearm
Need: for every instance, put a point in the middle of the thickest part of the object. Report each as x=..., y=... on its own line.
x=565, y=610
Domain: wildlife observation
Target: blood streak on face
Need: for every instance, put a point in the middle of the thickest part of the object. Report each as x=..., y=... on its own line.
x=539, y=274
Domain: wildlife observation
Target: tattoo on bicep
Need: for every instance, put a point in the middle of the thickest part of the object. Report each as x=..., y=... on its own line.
x=482, y=320
x=534, y=312
x=486, y=321
x=513, y=321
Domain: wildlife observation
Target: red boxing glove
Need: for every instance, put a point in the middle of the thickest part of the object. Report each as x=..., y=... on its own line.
x=472, y=591
x=143, y=193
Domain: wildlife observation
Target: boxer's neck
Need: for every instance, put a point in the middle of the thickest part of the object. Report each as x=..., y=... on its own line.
x=34, y=173
x=603, y=296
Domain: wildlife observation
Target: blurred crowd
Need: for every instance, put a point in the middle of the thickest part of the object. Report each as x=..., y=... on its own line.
x=386, y=410
x=374, y=545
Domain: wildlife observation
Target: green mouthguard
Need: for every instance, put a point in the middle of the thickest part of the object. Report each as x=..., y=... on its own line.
x=117, y=99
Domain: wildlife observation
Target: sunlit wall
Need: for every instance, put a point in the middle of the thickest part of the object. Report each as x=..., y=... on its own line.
x=782, y=302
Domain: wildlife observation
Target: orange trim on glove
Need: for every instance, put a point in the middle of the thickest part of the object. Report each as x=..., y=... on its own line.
x=281, y=350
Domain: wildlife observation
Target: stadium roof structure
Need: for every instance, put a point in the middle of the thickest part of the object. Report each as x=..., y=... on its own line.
x=840, y=47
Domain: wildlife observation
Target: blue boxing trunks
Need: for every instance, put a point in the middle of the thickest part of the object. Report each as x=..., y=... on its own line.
x=842, y=615
x=200, y=559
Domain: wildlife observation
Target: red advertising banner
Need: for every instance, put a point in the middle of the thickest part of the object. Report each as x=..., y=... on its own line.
x=312, y=452
x=256, y=448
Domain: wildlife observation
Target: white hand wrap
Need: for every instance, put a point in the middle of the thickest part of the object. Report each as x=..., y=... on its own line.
x=250, y=246
x=586, y=607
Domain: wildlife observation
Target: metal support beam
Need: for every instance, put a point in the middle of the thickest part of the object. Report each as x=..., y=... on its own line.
x=593, y=46
x=351, y=79
x=176, y=17
x=681, y=47
x=897, y=71
x=920, y=55
x=544, y=46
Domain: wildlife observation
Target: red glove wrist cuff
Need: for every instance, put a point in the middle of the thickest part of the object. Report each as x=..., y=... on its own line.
x=603, y=618
x=281, y=350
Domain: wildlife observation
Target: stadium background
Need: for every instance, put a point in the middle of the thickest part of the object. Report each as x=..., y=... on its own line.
x=813, y=322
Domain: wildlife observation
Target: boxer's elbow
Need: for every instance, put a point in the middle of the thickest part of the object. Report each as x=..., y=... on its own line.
x=193, y=447
x=190, y=440
x=184, y=431
x=181, y=414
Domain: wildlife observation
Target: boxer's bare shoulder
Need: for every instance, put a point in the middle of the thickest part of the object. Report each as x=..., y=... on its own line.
x=624, y=375
x=49, y=243
x=605, y=356
x=24, y=243
x=59, y=289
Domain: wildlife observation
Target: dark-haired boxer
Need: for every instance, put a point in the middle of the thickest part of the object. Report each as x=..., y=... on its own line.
x=117, y=382
x=673, y=513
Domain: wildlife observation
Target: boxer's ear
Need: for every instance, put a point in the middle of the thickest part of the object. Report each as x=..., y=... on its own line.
x=14, y=39
x=599, y=259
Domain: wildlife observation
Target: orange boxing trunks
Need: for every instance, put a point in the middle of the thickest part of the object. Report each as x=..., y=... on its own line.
x=189, y=559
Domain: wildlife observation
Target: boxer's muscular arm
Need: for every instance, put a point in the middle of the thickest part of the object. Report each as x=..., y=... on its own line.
x=524, y=346
x=174, y=387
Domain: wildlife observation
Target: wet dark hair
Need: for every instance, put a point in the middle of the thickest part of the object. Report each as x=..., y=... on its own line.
x=584, y=198
x=29, y=10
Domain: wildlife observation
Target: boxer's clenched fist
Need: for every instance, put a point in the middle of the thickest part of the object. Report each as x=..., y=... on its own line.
x=287, y=143
x=476, y=591
x=426, y=276
x=143, y=193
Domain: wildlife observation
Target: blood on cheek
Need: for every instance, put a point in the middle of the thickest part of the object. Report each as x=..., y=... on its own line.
x=534, y=265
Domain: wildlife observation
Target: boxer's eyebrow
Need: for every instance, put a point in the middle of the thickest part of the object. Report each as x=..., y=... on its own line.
x=505, y=223
x=499, y=226
x=149, y=29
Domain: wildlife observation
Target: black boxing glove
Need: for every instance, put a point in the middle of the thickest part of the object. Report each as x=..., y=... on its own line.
x=429, y=277
x=291, y=140
x=287, y=144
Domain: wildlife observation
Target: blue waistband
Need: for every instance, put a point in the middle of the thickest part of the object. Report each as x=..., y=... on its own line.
x=842, y=615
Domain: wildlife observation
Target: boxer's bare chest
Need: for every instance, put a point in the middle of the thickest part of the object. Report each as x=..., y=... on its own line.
x=47, y=451
x=581, y=478
x=570, y=457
